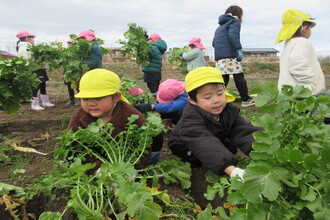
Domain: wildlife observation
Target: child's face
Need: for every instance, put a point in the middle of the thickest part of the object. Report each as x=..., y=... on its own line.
x=102, y=107
x=306, y=31
x=30, y=40
x=211, y=98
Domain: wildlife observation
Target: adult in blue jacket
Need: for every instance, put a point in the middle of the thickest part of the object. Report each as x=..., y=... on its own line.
x=228, y=51
x=152, y=72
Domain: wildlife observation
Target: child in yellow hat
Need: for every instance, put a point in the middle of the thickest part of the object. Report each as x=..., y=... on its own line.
x=210, y=129
x=299, y=64
x=101, y=99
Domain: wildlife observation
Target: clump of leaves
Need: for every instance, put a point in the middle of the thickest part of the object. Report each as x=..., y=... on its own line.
x=96, y=140
x=136, y=44
x=74, y=58
x=176, y=61
x=114, y=190
x=288, y=177
x=16, y=83
x=46, y=54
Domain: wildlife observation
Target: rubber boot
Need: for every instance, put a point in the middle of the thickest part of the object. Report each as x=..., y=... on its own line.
x=71, y=95
x=35, y=104
x=45, y=101
x=71, y=101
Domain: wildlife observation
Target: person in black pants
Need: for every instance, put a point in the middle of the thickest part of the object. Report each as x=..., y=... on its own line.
x=228, y=52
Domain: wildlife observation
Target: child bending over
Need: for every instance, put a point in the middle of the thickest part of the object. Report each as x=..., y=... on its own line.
x=211, y=129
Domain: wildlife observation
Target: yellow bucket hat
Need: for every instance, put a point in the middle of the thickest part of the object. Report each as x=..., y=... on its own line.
x=99, y=83
x=291, y=20
x=204, y=75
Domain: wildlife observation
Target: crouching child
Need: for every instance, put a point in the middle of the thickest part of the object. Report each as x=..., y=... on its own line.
x=211, y=130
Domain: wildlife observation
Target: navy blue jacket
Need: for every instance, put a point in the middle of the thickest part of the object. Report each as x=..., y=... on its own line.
x=227, y=37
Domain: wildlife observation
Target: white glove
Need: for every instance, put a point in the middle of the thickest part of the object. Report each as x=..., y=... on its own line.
x=237, y=172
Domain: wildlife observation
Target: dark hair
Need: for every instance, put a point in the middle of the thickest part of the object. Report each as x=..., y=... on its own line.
x=193, y=93
x=192, y=45
x=17, y=45
x=235, y=11
x=299, y=31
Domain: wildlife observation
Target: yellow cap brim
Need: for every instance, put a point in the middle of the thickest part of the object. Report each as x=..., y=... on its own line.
x=289, y=29
x=205, y=75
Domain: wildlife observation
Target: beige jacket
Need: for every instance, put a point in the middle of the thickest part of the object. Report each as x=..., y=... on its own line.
x=299, y=66
x=22, y=50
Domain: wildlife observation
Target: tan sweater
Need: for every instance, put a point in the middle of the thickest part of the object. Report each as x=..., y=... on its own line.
x=299, y=66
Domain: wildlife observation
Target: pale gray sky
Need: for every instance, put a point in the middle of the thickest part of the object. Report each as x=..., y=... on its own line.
x=175, y=20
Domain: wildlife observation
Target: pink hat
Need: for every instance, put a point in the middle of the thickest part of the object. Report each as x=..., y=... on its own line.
x=135, y=91
x=70, y=41
x=197, y=42
x=169, y=90
x=154, y=37
x=24, y=34
x=89, y=35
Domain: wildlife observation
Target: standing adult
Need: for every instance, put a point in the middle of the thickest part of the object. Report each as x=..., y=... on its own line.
x=228, y=52
x=152, y=72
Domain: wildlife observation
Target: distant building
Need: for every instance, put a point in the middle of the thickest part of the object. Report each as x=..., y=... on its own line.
x=115, y=55
x=6, y=55
x=260, y=52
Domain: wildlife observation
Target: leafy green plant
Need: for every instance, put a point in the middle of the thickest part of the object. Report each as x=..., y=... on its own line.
x=288, y=177
x=74, y=58
x=7, y=155
x=114, y=191
x=46, y=54
x=136, y=44
x=128, y=146
x=16, y=83
x=176, y=61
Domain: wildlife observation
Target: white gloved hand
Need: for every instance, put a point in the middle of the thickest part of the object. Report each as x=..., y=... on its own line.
x=237, y=172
